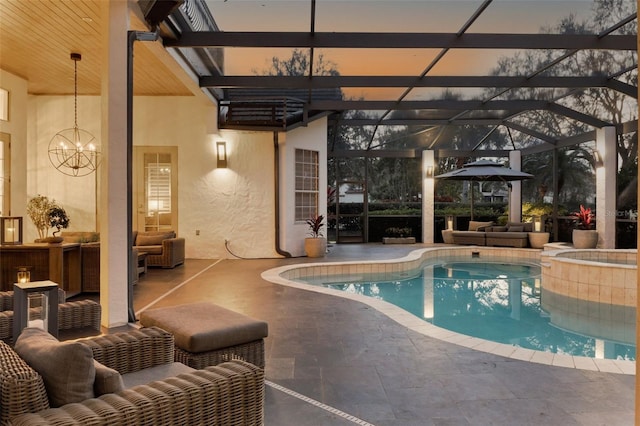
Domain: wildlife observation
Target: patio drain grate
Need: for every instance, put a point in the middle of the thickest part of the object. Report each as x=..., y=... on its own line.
x=318, y=404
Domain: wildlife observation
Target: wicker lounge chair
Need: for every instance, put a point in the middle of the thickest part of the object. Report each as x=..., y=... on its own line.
x=231, y=393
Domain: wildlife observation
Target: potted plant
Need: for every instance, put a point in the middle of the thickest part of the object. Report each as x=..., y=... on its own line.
x=58, y=219
x=584, y=235
x=46, y=213
x=38, y=211
x=395, y=235
x=316, y=244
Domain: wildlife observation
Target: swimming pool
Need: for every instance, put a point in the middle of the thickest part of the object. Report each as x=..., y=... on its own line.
x=500, y=300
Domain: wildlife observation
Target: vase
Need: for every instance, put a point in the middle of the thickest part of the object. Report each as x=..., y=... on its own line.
x=315, y=247
x=585, y=238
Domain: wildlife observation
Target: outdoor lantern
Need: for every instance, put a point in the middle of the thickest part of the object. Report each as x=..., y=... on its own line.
x=24, y=275
x=429, y=172
x=221, y=152
x=537, y=223
x=11, y=231
x=35, y=304
x=450, y=222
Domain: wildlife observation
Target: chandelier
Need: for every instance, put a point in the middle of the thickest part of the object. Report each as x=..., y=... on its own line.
x=74, y=152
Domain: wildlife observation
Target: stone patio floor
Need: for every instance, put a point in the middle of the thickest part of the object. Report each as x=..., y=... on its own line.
x=332, y=361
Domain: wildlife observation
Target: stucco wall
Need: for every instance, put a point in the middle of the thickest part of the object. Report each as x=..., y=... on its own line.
x=312, y=137
x=236, y=203
x=16, y=127
x=77, y=195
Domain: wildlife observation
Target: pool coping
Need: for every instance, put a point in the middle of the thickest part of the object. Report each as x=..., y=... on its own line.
x=418, y=325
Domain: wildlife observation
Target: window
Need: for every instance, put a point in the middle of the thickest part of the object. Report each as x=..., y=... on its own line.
x=155, y=183
x=5, y=174
x=306, y=184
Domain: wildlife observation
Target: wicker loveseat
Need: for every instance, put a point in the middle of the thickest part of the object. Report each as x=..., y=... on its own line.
x=163, y=248
x=513, y=234
x=133, y=382
x=71, y=315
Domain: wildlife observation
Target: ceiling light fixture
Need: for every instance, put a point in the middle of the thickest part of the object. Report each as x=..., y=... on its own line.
x=74, y=152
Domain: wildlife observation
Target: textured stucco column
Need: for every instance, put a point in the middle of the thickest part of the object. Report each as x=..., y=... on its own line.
x=606, y=188
x=515, y=196
x=428, y=186
x=114, y=211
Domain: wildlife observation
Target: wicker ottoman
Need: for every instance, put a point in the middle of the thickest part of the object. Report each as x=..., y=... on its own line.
x=206, y=334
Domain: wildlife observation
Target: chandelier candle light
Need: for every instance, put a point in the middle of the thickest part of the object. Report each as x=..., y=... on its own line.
x=74, y=152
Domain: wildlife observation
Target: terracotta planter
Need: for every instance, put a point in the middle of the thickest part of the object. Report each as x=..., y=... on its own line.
x=585, y=238
x=315, y=247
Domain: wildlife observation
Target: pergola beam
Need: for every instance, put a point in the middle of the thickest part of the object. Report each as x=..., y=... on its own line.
x=456, y=105
x=576, y=115
x=326, y=82
x=366, y=40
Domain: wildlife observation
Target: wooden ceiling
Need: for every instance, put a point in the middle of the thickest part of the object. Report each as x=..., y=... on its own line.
x=38, y=36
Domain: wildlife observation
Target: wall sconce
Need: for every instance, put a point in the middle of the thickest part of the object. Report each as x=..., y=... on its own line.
x=597, y=159
x=221, y=152
x=24, y=275
x=429, y=172
x=11, y=231
x=537, y=223
x=450, y=223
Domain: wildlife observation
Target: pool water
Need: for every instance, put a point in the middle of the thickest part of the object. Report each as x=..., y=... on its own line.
x=503, y=302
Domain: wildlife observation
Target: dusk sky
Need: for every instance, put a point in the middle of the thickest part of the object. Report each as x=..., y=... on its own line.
x=502, y=16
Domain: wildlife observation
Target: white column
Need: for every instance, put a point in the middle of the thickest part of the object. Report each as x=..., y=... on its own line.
x=113, y=170
x=606, y=187
x=515, y=196
x=428, y=310
x=428, y=186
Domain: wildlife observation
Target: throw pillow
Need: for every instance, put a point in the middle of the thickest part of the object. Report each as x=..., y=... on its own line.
x=66, y=367
x=108, y=380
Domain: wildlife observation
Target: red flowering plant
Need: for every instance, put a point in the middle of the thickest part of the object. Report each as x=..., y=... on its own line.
x=584, y=218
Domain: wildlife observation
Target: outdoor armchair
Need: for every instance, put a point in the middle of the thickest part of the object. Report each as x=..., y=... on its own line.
x=231, y=393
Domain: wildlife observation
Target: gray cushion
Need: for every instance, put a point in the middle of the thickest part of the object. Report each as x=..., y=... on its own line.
x=476, y=226
x=526, y=226
x=152, y=240
x=149, y=249
x=107, y=380
x=202, y=327
x=66, y=367
x=515, y=228
x=498, y=229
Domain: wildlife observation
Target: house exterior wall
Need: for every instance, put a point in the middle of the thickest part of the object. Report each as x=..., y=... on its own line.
x=17, y=128
x=236, y=203
x=313, y=137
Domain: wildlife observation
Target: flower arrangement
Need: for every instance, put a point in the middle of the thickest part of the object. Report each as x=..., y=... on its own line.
x=315, y=226
x=584, y=218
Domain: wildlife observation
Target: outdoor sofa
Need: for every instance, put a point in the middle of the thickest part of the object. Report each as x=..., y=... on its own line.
x=127, y=378
x=513, y=234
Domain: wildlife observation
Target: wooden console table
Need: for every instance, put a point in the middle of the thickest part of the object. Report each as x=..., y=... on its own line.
x=60, y=263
